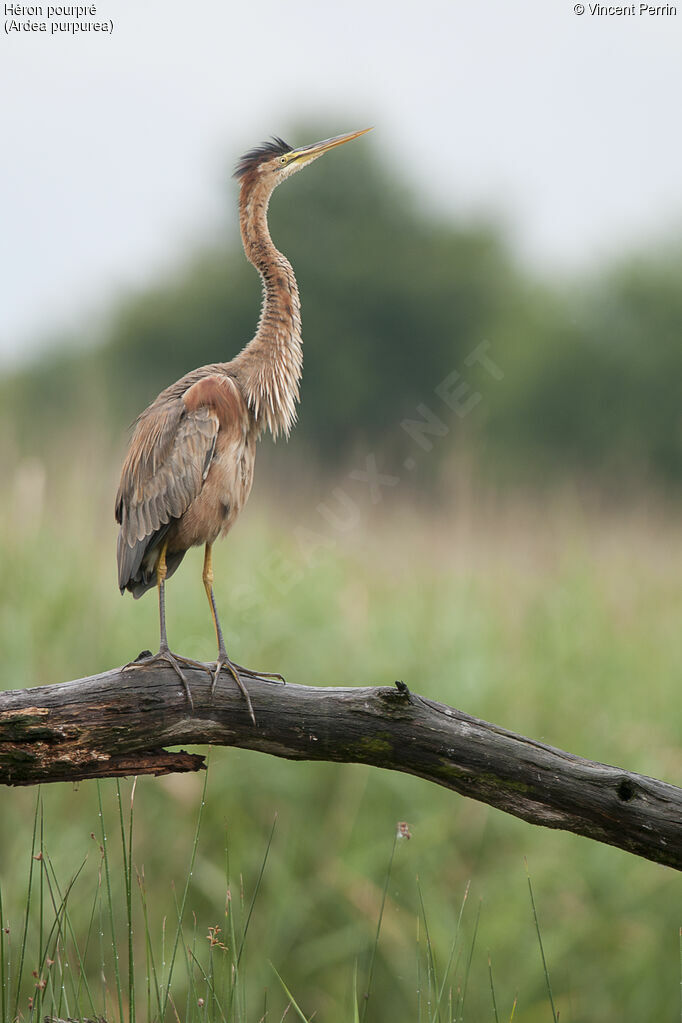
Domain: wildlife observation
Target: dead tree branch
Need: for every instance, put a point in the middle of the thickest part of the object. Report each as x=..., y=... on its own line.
x=120, y=722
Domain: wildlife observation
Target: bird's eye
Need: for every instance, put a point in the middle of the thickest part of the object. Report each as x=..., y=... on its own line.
x=282, y=159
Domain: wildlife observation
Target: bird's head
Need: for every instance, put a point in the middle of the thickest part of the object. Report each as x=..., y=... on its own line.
x=273, y=162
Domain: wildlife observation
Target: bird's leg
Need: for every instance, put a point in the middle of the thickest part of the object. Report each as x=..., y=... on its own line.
x=208, y=586
x=165, y=654
x=161, y=572
x=223, y=660
x=164, y=650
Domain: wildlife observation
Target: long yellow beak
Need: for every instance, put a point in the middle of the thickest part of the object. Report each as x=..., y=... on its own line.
x=307, y=153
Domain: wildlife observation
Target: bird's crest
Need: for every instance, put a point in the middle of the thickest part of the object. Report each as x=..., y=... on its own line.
x=249, y=161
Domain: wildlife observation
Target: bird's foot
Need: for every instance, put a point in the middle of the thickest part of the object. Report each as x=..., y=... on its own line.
x=234, y=670
x=166, y=656
x=263, y=676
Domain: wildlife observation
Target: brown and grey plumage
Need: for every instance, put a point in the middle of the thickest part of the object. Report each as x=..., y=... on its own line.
x=189, y=467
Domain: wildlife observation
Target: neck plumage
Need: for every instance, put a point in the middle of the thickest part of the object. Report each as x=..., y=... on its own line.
x=269, y=368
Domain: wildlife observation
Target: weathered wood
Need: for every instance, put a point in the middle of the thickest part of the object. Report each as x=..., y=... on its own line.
x=121, y=721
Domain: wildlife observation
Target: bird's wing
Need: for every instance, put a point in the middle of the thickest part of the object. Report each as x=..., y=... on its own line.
x=168, y=460
x=170, y=455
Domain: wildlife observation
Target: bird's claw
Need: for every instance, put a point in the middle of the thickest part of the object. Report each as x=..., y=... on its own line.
x=234, y=670
x=166, y=656
x=273, y=677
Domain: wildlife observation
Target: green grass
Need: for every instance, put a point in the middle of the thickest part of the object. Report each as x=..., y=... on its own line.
x=212, y=972
x=550, y=620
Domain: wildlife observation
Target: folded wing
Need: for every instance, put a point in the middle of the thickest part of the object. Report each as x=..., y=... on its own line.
x=168, y=460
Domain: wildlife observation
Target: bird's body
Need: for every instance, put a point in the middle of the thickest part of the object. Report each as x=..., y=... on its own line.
x=189, y=468
x=188, y=473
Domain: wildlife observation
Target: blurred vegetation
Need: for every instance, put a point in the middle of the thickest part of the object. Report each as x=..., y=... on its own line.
x=395, y=299
x=550, y=621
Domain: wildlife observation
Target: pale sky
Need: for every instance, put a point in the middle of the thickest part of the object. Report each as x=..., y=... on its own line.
x=115, y=147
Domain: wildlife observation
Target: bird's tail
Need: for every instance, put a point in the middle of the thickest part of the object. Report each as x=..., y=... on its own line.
x=137, y=564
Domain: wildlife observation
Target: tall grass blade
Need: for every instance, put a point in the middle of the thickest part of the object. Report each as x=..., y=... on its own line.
x=370, y=974
x=151, y=966
x=38, y=1004
x=469, y=960
x=190, y=873
x=431, y=976
x=291, y=998
x=100, y=933
x=110, y=904
x=24, y=938
x=542, y=951
x=82, y=976
x=192, y=993
x=61, y=918
x=452, y=953
x=209, y=981
x=492, y=989
x=237, y=959
x=233, y=946
x=356, y=1013
x=127, y=852
x=4, y=986
x=256, y=890
x=129, y=885
x=211, y=987
x=419, y=976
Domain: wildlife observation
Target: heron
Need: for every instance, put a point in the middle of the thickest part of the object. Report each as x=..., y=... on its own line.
x=189, y=467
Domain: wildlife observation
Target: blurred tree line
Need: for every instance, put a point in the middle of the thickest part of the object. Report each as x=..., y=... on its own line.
x=395, y=301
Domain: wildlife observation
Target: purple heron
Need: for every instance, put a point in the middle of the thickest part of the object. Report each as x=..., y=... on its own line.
x=189, y=467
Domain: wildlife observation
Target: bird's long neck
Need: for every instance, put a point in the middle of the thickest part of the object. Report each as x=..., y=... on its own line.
x=269, y=367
